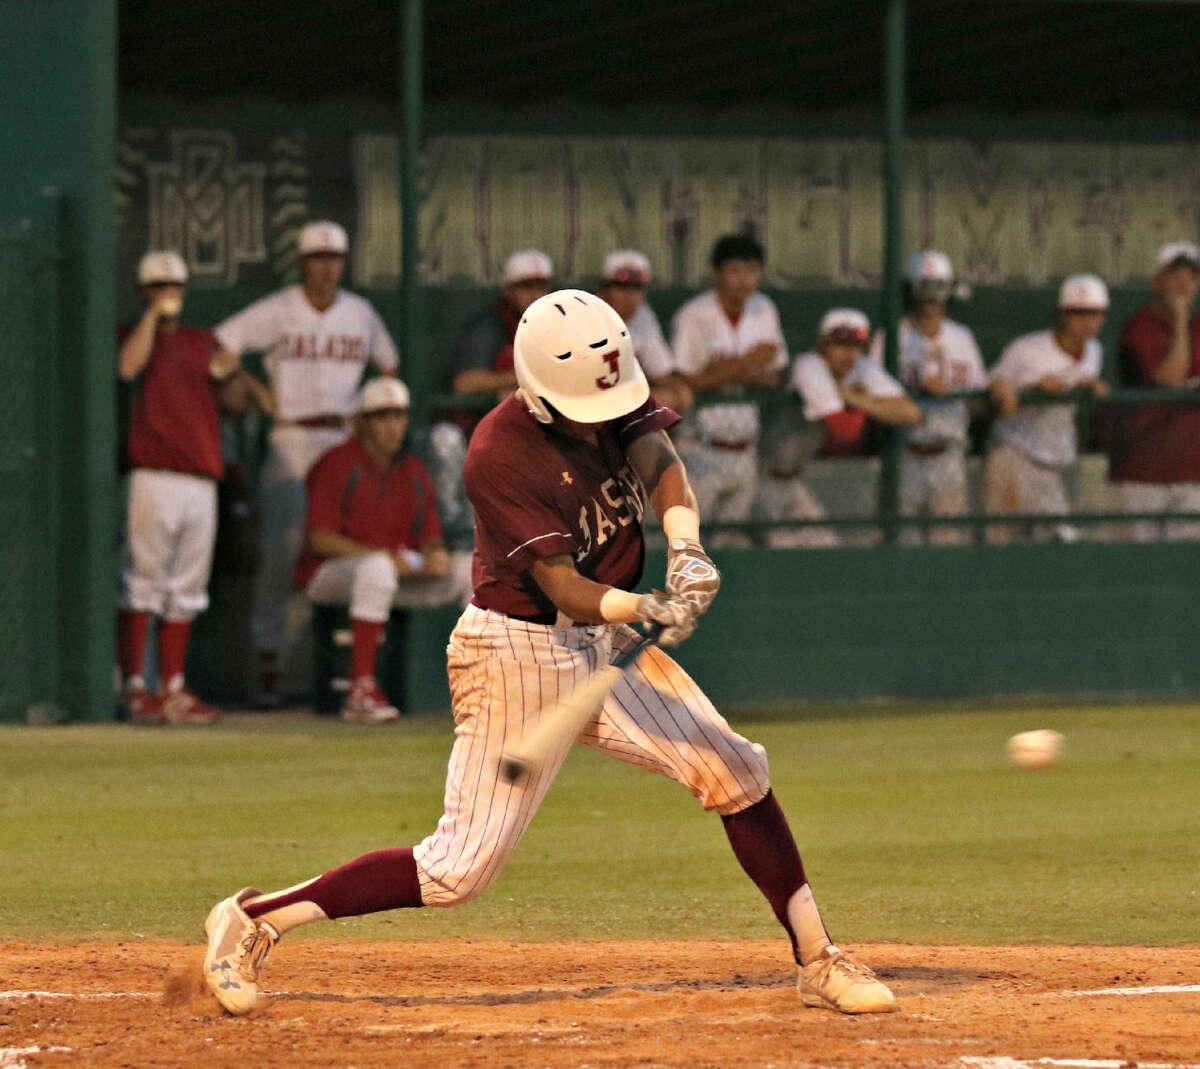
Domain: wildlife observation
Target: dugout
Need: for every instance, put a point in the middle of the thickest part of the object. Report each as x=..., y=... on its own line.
x=1034, y=139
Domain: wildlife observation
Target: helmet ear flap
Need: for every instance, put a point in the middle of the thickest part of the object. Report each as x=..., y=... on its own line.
x=536, y=406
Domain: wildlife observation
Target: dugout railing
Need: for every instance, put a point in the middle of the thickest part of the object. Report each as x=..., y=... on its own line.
x=887, y=518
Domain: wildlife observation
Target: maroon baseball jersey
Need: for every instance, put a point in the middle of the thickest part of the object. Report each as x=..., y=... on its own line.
x=175, y=421
x=1157, y=443
x=391, y=508
x=539, y=492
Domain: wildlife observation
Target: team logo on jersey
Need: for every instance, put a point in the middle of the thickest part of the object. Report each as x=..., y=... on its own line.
x=608, y=380
x=567, y=480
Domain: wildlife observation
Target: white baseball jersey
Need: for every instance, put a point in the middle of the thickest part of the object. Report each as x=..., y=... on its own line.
x=953, y=353
x=702, y=331
x=314, y=359
x=649, y=345
x=1044, y=433
x=812, y=380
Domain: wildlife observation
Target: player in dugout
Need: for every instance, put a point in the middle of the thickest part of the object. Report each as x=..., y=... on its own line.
x=184, y=378
x=559, y=473
x=317, y=340
x=842, y=388
x=372, y=538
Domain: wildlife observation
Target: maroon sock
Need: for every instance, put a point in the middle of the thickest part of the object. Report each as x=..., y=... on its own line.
x=763, y=844
x=172, y=648
x=384, y=879
x=131, y=641
x=366, y=644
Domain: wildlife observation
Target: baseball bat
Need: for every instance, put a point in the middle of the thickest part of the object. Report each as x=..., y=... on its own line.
x=561, y=721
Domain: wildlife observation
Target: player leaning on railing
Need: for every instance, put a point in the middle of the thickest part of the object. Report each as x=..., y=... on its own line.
x=559, y=474
x=1032, y=446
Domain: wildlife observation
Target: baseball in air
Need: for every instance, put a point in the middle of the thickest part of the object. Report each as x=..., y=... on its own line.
x=1035, y=749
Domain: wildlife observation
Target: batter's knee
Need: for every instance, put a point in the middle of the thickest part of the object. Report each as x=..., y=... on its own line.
x=743, y=780
x=443, y=888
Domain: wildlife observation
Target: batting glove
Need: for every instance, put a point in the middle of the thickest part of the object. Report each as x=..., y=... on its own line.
x=673, y=613
x=691, y=574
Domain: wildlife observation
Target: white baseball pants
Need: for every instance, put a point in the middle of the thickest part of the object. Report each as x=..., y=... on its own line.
x=281, y=507
x=171, y=526
x=1014, y=483
x=370, y=587
x=1161, y=497
x=503, y=672
x=791, y=499
x=938, y=485
x=725, y=482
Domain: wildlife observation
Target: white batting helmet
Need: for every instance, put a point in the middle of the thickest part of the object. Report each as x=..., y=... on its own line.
x=931, y=275
x=572, y=352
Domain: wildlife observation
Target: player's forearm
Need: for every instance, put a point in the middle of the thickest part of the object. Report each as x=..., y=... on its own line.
x=330, y=544
x=1174, y=368
x=673, y=492
x=767, y=378
x=262, y=395
x=901, y=411
x=656, y=463
x=580, y=598
x=721, y=371
x=135, y=350
x=673, y=391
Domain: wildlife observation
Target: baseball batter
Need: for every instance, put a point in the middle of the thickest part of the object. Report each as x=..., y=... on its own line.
x=559, y=474
x=317, y=340
x=938, y=356
x=174, y=448
x=1032, y=445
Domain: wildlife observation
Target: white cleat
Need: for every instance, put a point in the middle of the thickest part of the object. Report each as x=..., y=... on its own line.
x=835, y=982
x=237, y=949
x=366, y=704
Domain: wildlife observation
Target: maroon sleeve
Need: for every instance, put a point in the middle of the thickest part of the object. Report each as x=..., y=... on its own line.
x=1140, y=351
x=519, y=518
x=325, y=486
x=431, y=529
x=645, y=419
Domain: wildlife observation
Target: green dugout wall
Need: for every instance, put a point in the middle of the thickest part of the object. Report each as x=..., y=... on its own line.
x=947, y=622
x=57, y=246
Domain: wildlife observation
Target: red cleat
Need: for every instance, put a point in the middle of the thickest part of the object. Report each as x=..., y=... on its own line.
x=140, y=705
x=183, y=707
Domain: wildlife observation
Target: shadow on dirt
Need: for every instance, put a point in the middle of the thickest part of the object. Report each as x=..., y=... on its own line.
x=517, y=998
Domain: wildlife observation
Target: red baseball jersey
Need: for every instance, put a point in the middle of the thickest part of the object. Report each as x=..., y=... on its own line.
x=391, y=508
x=175, y=420
x=1157, y=443
x=539, y=492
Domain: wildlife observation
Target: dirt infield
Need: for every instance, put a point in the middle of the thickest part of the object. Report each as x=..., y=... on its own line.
x=558, y=1005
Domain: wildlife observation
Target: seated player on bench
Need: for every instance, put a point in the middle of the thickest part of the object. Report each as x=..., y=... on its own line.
x=372, y=537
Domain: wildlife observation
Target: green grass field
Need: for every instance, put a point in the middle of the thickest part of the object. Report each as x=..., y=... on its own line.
x=913, y=827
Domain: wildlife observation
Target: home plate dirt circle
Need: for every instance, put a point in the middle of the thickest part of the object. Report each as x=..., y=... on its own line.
x=591, y=1004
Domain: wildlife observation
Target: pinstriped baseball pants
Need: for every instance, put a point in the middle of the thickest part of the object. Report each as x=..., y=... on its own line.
x=502, y=673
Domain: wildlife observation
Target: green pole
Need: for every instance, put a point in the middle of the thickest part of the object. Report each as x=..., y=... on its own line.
x=96, y=253
x=893, y=236
x=414, y=350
